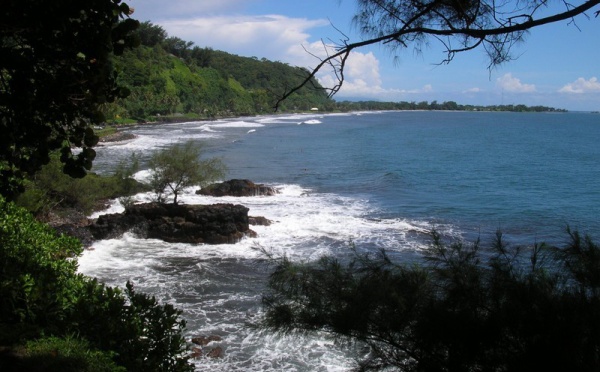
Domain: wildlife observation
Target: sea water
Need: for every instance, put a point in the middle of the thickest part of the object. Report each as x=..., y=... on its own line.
x=374, y=180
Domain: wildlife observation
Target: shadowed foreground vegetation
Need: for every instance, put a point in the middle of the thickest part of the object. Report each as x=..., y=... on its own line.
x=465, y=308
x=54, y=319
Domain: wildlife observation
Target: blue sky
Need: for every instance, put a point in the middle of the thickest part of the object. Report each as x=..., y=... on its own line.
x=558, y=65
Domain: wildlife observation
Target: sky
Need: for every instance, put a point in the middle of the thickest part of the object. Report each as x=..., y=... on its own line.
x=558, y=65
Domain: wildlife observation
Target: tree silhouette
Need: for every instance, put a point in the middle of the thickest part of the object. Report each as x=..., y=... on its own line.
x=55, y=70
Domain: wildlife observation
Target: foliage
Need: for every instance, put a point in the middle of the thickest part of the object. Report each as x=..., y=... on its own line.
x=42, y=293
x=50, y=189
x=37, y=272
x=168, y=76
x=179, y=166
x=55, y=69
x=503, y=309
x=434, y=105
x=68, y=354
x=144, y=333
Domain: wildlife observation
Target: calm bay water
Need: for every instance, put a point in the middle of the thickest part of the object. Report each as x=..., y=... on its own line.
x=380, y=180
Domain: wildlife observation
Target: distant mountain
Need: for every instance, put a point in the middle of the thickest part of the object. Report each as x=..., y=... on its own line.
x=166, y=76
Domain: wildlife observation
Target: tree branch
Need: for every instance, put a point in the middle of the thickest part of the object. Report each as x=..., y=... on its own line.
x=337, y=60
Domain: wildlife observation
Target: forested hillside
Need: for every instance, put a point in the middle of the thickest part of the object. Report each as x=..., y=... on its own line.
x=168, y=76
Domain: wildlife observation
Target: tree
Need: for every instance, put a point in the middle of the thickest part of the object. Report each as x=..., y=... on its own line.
x=462, y=309
x=151, y=34
x=41, y=294
x=55, y=71
x=179, y=166
x=459, y=25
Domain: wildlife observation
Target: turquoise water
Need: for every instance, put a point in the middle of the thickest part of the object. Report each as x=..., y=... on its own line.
x=380, y=180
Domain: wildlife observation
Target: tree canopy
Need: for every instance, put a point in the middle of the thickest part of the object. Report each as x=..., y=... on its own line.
x=458, y=25
x=466, y=307
x=55, y=69
x=42, y=295
x=168, y=76
x=179, y=166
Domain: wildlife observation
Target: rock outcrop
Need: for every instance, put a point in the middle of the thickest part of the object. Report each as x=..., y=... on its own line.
x=237, y=188
x=175, y=223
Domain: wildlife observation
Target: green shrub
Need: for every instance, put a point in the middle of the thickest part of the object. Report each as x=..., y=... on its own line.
x=37, y=268
x=51, y=189
x=42, y=293
x=68, y=354
x=465, y=308
x=146, y=334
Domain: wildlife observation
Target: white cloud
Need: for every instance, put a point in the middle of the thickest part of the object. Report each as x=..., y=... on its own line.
x=582, y=86
x=361, y=77
x=274, y=37
x=286, y=39
x=473, y=90
x=509, y=83
x=161, y=9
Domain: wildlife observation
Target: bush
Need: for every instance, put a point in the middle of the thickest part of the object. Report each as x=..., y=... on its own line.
x=463, y=309
x=51, y=189
x=179, y=166
x=37, y=268
x=145, y=333
x=42, y=293
x=68, y=354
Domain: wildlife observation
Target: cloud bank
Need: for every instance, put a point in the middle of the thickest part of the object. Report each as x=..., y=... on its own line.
x=508, y=83
x=286, y=39
x=581, y=86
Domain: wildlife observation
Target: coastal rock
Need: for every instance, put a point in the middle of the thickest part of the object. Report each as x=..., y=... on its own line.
x=217, y=352
x=117, y=137
x=237, y=187
x=205, y=340
x=175, y=223
x=196, y=353
x=259, y=221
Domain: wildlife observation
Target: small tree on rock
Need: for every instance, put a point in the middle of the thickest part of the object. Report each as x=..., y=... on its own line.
x=179, y=166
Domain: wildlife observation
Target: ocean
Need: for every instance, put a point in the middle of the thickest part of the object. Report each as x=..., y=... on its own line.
x=375, y=180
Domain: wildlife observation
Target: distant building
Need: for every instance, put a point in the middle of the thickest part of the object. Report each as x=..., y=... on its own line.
x=314, y=109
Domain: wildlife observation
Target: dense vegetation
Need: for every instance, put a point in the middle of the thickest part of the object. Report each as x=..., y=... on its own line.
x=56, y=69
x=53, y=75
x=54, y=317
x=166, y=76
x=434, y=105
x=50, y=191
x=464, y=308
x=169, y=78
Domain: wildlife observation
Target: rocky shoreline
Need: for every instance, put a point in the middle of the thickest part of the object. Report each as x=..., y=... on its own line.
x=118, y=136
x=220, y=223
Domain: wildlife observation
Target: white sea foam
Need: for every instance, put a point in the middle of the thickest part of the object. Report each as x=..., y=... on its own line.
x=313, y=121
x=219, y=287
x=305, y=224
x=235, y=124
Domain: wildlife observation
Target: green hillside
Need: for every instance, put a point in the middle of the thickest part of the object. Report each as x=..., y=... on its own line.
x=168, y=77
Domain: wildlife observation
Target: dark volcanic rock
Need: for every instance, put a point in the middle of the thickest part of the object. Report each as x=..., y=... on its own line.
x=259, y=221
x=237, y=188
x=80, y=232
x=205, y=340
x=175, y=223
x=117, y=137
